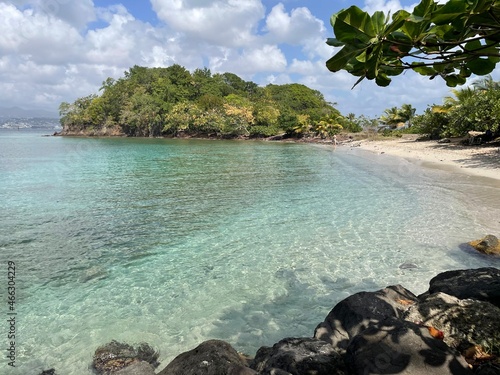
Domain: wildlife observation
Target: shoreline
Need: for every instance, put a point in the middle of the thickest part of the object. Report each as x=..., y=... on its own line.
x=480, y=161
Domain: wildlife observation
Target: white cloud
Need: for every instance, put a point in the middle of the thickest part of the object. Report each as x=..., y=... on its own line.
x=229, y=23
x=267, y=58
x=386, y=6
x=294, y=28
x=76, y=13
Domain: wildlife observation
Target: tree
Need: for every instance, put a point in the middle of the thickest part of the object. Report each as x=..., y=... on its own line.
x=472, y=108
x=391, y=117
x=452, y=40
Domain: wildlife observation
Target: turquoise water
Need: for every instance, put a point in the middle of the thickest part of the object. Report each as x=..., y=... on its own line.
x=173, y=242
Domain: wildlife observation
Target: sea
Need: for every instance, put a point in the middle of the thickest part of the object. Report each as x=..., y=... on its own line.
x=173, y=242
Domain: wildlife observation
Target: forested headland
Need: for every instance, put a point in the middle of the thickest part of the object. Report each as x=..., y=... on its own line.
x=171, y=101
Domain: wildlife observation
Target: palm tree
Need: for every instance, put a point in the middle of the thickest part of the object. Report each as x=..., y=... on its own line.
x=486, y=84
x=407, y=112
x=395, y=116
x=391, y=117
x=450, y=102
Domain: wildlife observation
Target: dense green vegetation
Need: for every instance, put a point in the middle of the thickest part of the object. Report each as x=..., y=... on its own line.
x=475, y=108
x=452, y=40
x=175, y=102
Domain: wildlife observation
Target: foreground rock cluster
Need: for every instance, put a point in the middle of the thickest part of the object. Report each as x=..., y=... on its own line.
x=453, y=328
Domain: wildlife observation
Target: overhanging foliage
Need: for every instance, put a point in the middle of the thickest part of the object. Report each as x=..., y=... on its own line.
x=452, y=40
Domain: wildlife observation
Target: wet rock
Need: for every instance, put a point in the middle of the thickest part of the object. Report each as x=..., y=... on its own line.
x=402, y=347
x=482, y=284
x=297, y=356
x=407, y=266
x=115, y=356
x=488, y=245
x=465, y=323
x=137, y=368
x=212, y=357
x=356, y=313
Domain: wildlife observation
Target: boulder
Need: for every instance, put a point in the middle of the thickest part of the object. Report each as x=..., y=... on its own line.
x=402, y=347
x=481, y=284
x=115, y=356
x=488, y=369
x=465, y=323
x=212, y=357
x=297, y=356
x=488, y=245
x=358, y=312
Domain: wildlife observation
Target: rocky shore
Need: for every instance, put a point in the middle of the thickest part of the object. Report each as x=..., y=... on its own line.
x=453, y=328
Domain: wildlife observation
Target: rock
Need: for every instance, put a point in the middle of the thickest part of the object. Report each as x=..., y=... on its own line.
x=465, y=323
x=48, y=372
x=115, y=356
x=212, y=357
x=402, y=347
x=481, y=284
x=297, y=356
x=407, y=266
x=444, y=140
x=137, y=368
x=488, y=369
x=488, y=245
x=356, y=313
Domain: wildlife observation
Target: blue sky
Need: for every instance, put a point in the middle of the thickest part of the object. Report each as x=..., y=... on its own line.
x=58, y=50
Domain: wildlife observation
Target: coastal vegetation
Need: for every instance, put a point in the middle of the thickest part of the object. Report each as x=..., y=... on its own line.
x=173, y=102
x=474, y=108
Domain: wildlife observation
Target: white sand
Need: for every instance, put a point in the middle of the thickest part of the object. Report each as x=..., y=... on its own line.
x=476, y=160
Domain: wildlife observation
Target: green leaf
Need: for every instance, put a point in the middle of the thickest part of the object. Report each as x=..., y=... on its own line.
x=424, y=8
x=377, y=23
x=451, y=11
x=334, y=42
x=451, y=80
x=473, y=45
x=440, y=31
x=398, y=19
x=412, y=29
x=350, y=25
x=481, y=66
x=341, y=58
x=382, y=80
x=423, y=70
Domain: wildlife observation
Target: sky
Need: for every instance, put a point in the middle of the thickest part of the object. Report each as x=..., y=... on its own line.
x=54, y=51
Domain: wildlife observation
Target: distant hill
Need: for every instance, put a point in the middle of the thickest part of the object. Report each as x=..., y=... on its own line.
x=17, y=112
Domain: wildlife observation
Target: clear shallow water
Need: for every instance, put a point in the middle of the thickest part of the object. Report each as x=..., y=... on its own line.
x=173, y=242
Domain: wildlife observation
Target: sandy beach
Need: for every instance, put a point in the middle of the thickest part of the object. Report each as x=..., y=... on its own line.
x=483, y=161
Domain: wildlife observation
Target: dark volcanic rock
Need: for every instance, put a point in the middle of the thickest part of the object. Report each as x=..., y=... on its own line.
x=115, y=356
x=482, y=284
x=356, y=313
x=402, y=348
x=212, y=357
x=297, y=356
x=488, y=369
x=465, y=323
